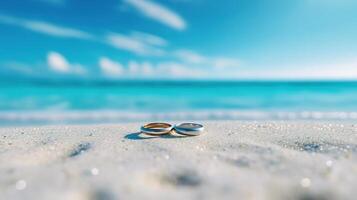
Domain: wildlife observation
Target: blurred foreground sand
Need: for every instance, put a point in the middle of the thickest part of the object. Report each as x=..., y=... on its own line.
x=231, y=160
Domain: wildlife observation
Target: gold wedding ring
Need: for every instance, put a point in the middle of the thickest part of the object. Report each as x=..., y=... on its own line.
x=155, y=129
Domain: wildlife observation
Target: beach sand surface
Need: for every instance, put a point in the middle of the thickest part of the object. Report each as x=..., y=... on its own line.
x=230, y=160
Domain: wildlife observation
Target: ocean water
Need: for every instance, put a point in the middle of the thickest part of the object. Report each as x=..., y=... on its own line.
x=57, y=103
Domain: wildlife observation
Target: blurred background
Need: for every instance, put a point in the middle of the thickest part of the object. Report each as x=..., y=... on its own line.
x=105, y=61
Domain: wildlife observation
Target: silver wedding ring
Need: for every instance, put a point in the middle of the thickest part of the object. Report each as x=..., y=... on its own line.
x=190, y=129
x=156, y=128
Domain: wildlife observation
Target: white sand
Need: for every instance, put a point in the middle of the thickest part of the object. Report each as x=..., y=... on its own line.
x=231, y=160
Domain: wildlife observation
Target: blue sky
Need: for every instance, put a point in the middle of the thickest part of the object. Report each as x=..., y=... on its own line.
x=179, y=39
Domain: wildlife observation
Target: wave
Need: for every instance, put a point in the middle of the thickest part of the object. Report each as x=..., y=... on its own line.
x=108, y=116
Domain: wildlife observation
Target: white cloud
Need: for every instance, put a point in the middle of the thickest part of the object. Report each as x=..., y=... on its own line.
x=161, y=70
x=191, y=57
x=139, y=43
x=178, y=70
x=133, y=44
x=58, y=63
x=110, y=67
x=133, y=67
x=45, y=28
x=147, y=68
x=149, y=38
x=127, y=43
x=225, y=62
x=55, y=30
x=140, y=68
x=159, y=13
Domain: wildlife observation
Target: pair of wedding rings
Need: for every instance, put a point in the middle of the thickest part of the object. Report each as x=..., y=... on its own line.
x=157, y=129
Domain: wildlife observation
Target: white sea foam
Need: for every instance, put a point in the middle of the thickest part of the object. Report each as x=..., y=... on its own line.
x=102, y=116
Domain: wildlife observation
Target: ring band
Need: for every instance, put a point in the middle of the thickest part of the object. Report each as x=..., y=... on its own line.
x=156, y=128
x=190, y=129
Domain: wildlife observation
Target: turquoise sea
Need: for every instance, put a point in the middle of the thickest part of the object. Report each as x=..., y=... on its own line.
x=106, y=102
